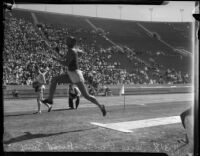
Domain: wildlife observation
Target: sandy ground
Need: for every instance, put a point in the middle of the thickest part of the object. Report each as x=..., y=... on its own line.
x=71, y=130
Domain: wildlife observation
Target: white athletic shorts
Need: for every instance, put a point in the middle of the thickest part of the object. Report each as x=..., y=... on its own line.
x=76, y=76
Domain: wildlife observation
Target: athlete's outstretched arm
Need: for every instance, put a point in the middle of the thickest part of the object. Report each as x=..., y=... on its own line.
x=64, y=63
x=54, y=49
x=57, y=50
x=67, y=61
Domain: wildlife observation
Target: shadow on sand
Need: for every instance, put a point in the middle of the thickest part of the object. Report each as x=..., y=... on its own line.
x=28, y=135
x=32, y=113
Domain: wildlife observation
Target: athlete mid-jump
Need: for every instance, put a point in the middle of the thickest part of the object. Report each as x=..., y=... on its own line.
x=73, y=75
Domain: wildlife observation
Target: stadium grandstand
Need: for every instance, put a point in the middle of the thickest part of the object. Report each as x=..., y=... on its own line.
x=139, y=72
x=165, y=58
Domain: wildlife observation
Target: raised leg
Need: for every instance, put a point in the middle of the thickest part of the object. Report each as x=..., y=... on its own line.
x=89, y=97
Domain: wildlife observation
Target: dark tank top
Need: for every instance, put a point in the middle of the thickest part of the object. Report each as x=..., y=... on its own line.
x=73, y=65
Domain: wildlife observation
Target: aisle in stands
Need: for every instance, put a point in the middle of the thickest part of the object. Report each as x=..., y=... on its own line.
x=25, y=52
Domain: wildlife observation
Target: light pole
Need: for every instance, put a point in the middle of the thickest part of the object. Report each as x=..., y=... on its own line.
x=72, y=9
x=96, y=10
x=120, y=12
x=151, y=11
x=45, y=7
x=181, y=11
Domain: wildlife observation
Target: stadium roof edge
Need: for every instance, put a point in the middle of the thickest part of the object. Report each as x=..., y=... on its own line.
x=90, y=17
x=134, y=2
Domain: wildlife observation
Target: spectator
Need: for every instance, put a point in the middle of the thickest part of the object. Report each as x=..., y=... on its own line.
x=24, y=48
x=74, y=93
x=108, y=92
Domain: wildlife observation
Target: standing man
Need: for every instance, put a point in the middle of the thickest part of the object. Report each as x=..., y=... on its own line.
x=39, y=86
x=74, y=93
x=73, y=75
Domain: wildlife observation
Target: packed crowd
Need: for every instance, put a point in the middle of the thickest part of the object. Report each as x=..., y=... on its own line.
x=25, y=52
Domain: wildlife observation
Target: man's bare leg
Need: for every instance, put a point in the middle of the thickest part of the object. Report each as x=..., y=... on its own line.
x=89, y=97
x=64, y=78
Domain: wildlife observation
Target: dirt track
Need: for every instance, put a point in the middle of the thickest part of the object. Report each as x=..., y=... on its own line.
x=71, y=130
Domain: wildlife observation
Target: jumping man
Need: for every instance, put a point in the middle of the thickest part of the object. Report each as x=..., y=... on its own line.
x=73, y=75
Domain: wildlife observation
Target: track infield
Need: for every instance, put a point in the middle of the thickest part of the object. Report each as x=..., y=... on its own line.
x=72, y=130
